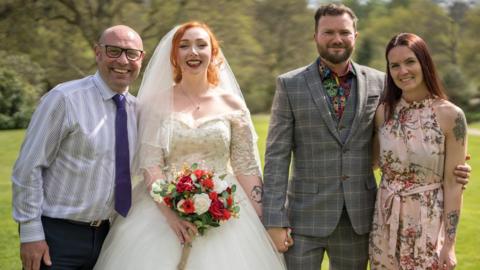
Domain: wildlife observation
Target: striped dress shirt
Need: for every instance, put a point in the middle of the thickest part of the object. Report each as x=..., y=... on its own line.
x=66, y=165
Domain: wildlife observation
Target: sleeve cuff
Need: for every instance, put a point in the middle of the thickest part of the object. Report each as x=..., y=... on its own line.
x=280, y=219
x=31, y=231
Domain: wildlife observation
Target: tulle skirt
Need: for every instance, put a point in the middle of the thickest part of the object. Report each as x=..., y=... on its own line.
x=145, y=241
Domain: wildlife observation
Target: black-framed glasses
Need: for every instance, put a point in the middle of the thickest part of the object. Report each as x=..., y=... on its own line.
x=115, y=52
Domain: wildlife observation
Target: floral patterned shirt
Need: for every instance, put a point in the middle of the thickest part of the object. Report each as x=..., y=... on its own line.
x=337, y=87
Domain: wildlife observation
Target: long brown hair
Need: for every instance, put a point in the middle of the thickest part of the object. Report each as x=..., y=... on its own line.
x=212, y=70
x=418, y=46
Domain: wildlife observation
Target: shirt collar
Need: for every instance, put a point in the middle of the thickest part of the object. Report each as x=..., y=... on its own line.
x=326, y=72
x=108, y=93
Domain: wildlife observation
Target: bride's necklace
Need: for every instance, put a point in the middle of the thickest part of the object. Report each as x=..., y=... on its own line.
x=196, y=105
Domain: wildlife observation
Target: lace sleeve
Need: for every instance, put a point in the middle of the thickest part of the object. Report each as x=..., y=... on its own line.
x=243, y=148
x=149, y=158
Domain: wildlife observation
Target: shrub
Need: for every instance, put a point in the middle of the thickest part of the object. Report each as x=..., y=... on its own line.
x=17, y=100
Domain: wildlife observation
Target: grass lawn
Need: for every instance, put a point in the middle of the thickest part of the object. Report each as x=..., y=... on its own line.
x=468, y=242
x=475, y=125
x=9, y=246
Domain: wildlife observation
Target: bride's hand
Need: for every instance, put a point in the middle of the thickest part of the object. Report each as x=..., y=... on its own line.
x=184, y=230
x=281, y=238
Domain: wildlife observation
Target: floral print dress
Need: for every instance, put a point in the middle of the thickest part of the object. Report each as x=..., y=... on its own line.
x=407, y=230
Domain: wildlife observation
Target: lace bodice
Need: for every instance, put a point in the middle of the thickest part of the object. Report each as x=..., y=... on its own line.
x=223, y=143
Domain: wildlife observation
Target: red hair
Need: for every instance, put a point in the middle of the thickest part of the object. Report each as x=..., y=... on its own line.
x=418, y=46
x=212, y=70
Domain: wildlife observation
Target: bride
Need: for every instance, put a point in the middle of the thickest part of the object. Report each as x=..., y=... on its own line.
x=192, y=110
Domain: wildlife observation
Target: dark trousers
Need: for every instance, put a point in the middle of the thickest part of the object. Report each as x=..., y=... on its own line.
x=73, y=245
x=346, y=249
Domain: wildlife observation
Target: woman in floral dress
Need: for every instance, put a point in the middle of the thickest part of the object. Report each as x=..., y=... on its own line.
x=420, y=137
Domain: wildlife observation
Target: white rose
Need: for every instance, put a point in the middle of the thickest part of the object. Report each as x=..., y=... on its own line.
x=202, y=203
x=155, y=192
x=219, y=185
x=179, y=206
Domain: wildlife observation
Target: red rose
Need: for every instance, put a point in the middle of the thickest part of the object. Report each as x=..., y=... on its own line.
x=168, y=201
x=207, y=183
x=226, y=214
x=216, y=209
x=188, y=207
x=213, y=196
x=198, y=173
x=229, y=201
x=185, y=184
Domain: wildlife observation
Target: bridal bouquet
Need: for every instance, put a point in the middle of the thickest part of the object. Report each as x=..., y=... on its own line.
x=198, y=196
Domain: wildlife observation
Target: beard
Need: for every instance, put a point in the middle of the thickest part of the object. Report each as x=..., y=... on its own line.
x=335, y=58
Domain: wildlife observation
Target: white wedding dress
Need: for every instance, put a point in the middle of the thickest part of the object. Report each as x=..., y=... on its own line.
x=145, y=241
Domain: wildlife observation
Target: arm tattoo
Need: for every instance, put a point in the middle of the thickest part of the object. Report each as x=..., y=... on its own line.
x=257, y=194
x=452, y=222
x=460, y=129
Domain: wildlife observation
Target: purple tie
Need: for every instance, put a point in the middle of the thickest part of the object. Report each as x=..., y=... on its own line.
x=123, y=185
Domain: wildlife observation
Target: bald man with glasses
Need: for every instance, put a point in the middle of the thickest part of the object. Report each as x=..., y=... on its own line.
x=73, y=171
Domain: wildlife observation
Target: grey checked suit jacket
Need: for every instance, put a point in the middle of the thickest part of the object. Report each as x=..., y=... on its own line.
x=326, y=172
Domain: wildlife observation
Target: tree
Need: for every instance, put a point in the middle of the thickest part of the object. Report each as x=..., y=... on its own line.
x=59, y=34
x=364, y=53
x=17, y=100
x=421, y=17
x=470, y=46
x=260, y=38
x=458, y=88
x=21, y=83
x=447, y=35
x=285, y=31
x=24, y=67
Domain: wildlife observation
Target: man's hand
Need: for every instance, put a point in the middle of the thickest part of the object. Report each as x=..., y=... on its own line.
x=281, y=238
x=32, y=253
x=462, y=173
